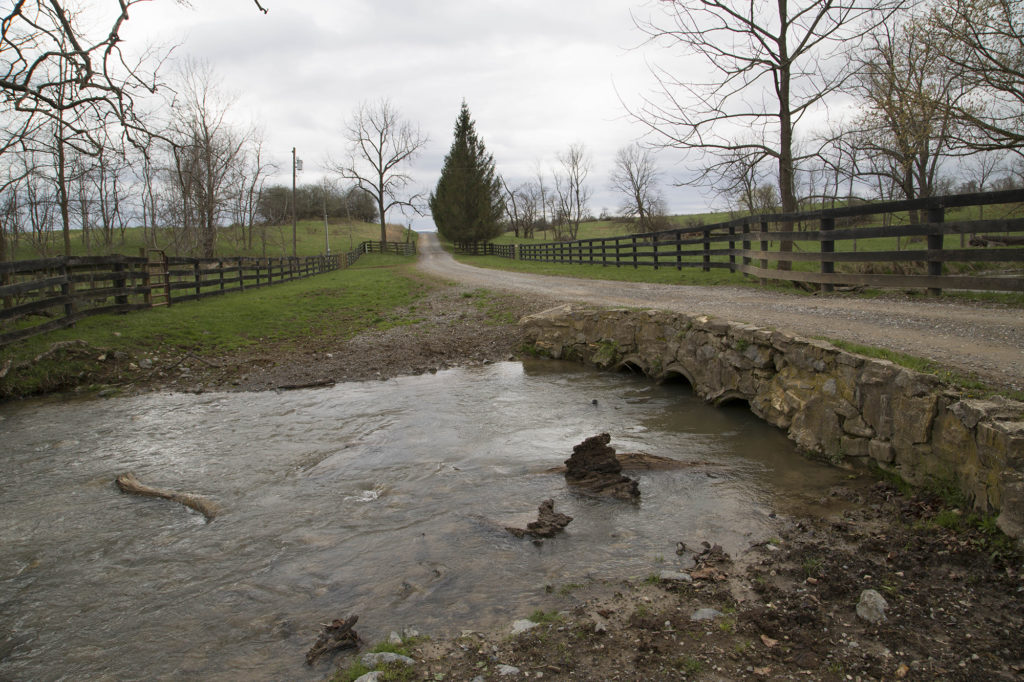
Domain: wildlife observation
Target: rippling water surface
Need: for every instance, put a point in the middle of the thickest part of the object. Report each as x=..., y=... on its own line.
x=382, y=499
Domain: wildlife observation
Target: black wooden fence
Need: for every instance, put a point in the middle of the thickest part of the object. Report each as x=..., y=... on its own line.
x=751, y=245
x=38, y=296
x=486, y=249
x=397, y=248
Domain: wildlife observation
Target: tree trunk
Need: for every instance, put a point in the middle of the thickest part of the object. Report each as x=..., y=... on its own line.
x=786, y=171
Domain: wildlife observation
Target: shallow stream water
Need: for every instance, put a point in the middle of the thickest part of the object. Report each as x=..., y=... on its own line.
x=383, y=499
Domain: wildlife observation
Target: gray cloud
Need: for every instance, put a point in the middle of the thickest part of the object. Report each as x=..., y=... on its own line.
x=538, y=75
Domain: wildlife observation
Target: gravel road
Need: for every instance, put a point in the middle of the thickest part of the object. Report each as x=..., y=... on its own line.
x=973, y=338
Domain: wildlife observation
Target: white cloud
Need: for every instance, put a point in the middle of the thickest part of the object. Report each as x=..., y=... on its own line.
x=537, y=75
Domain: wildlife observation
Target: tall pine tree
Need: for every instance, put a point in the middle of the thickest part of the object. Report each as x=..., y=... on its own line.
x=467, y=204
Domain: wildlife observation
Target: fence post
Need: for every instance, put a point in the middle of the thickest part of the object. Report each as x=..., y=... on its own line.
x=120, y=282
x=827, y=246
x=935, y=241
x=746, y=242
x=198, y=277
x=147, y=297
x=635, y=266
x=679, y=250
x=241, y=276
x=732, y=248
x=706, y=264
x=220, y=270
x=763, y=227
x=654, y=249
x=67, y=288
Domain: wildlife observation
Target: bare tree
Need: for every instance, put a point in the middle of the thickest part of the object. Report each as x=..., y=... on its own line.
x=522, y=204
x=770, y=64
x=249, y=179
x=381, y=145
x=636, y=178
x=53, y=47
x=909, y=98
x=206, y=154
x=59, y=61
x=571, y=189
x=983, y=41
x=544, y=196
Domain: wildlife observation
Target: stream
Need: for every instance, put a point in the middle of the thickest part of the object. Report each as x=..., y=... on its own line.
x=383, y=499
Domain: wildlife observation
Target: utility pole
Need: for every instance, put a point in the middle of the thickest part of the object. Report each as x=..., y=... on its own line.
x=295, y=222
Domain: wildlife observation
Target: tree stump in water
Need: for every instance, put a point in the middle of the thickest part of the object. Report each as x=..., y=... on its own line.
x=593, y=468
x=338, y=634
x=547, y=524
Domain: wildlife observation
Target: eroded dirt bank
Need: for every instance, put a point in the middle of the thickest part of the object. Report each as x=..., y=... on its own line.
x=786, y=609
x=452, y=325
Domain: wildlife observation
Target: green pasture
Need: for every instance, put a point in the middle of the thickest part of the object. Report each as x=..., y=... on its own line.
x=338, y=304
x=231, y=241
x=693, y=253
x=664, y=275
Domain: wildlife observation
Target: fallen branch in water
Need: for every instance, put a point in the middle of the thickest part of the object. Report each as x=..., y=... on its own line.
x=337, y=634
x=129, y=484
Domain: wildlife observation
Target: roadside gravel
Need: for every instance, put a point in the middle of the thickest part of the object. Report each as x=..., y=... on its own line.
x=982, y=339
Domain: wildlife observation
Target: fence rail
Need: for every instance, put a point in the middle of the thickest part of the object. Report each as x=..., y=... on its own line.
x=750, y=244
x=397, y=248
x=486, y=249
x=38, y=296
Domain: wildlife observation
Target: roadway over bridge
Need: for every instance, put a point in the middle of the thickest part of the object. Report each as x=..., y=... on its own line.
x=972, y=338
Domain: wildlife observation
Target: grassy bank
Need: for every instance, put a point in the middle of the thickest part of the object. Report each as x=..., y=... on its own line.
x=338, y=304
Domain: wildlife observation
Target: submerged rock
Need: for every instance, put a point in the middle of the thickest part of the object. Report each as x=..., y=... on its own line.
x=547, y=524
x=385, y=658
x=521, y=626
x=593, y=468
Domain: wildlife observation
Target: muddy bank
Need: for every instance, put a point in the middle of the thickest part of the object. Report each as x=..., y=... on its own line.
x=786, y=608
x=453, y=326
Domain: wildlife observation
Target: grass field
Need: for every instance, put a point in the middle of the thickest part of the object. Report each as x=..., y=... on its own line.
x=694, y=275
x=337, y=304
x=666, y=275
x=310, y=241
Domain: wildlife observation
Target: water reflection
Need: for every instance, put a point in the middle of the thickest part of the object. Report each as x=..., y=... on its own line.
x=382, y=499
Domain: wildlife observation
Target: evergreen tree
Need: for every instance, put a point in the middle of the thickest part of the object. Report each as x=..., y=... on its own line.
x=468, y=203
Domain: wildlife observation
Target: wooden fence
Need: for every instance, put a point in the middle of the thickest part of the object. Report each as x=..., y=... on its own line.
x=397, y=248
x=52, y=293
x=750, y=245
x=486, y=249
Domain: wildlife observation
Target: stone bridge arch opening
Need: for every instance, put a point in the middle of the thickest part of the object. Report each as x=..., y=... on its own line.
x=676, y=376
x=732, y=400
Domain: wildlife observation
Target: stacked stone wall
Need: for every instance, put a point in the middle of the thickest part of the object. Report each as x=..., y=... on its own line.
x=833, y=404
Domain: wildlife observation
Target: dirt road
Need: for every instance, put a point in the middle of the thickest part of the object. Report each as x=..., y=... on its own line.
x=973, y=338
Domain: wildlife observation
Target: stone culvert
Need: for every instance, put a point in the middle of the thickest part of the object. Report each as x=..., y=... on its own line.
x=836, y=405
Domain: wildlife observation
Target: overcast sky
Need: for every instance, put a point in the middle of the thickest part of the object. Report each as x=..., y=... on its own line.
x=537, y=75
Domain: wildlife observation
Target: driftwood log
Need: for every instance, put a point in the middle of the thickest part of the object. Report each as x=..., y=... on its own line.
x=129, y=484
x=338, y=634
